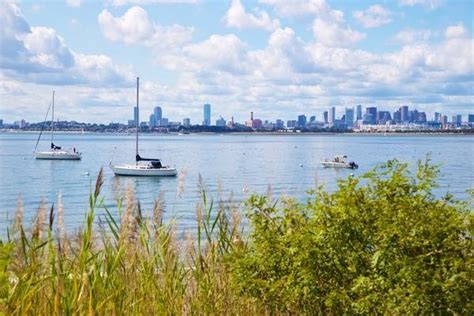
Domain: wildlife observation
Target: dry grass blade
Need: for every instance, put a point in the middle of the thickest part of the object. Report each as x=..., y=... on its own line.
x=99, y=182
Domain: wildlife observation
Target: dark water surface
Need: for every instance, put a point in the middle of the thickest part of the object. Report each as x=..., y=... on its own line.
x=241, y=164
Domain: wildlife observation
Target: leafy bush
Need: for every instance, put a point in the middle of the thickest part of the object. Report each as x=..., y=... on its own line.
x=381, y=244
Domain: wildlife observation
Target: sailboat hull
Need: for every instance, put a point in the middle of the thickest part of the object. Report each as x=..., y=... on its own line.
x=143, y=171
x=58, y=155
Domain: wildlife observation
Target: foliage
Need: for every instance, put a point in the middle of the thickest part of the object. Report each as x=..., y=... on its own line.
x=388, y=246
x=382, y=243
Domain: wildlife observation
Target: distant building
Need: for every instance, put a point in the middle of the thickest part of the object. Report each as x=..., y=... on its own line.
x=131, y=123
x=437, y=117
x=325, y=117
x=158, y=113
x=359, y=112
x=152, y=122
x=220, y=122
x=470, y=119
x=135, y=115
x=301, y=120
x=397, y=116
x=458, y=119
x=291, y=123
x=332, y=115
x=23, y=124
x=370, y=115
x=207, y=115
x=349, y=117
x=1, y=123
x=444, y=120
x=164, y=122
x=187, y=122
x=280, y=124
x=422, y=117
x=404, y=114
x=383, y=117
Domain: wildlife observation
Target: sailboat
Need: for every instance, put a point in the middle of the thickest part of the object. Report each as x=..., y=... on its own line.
x=152, y=167
x=55, y=152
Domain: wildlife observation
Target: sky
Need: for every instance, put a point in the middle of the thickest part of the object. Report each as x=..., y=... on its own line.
x=277, y=58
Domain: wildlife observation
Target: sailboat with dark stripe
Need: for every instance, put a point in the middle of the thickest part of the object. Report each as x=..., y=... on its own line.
x=146, y=167
x=55, y=152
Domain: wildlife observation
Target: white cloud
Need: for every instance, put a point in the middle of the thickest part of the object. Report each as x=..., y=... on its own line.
x=374, y=16
x=237, y=17
x=430, y=4
x=410, y=36
x=40, y=55
x=136, y=27
x=74, y=3
x=304, y=7
x=149, y=2
x=334, y=34
x=454, y=31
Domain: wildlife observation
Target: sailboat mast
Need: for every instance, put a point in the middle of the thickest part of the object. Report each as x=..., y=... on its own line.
x=137, y=118
x=52, y=124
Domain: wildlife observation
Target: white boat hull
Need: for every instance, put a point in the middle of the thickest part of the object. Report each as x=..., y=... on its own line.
x=139, y=170
x=58, y=155
x=332, y=164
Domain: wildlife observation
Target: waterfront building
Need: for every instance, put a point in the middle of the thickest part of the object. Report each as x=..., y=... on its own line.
x=325, y=116
x=470, y=119
x=370, y=115
x=207, y=115
x=404, y=114
x=301, y=120
x=164, y=122
x=152, y=122
x=422, y=117
x=459, y=119
x=444, y=120
x=397, y=116
x=187, y=122
x=349, y=117
x=291, y=123
x=135, y=115
x=158, y=113
x=332, y=115
x=280, y=124
x=131, y=123
x=437, y=117
x=1, y=123
x=383, y=117
x=359, y=112
x=220, y=122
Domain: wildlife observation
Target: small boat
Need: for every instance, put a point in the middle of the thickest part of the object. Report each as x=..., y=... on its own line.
x=339, y=161
x=55, y=152
x=153, y=167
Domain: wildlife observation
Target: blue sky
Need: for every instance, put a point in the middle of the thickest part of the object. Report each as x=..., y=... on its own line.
x=276, y=58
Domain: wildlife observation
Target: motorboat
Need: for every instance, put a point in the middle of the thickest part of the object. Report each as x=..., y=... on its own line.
x=339, y=161
x=55, y=152
x=143, y=167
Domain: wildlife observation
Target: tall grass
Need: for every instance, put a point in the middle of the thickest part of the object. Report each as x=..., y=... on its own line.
x=337, y=253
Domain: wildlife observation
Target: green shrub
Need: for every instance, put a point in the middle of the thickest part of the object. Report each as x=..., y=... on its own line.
x=382, y=243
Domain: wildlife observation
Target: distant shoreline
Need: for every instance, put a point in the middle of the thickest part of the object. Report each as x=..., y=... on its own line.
x=427, y=133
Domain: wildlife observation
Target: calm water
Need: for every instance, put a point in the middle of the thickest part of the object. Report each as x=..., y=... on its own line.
x=240, y=164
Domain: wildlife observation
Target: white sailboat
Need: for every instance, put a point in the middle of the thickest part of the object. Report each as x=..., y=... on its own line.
x=55, y=152
x=152, y=167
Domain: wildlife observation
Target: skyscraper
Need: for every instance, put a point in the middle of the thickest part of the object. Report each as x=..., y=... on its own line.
x=135, y=115
x=301, y=120
x=437, y=117
x=470, y=118
x=325, y=116
x=157, y=112
x=152, y=121
x=349, y=117
x=332, y=115
x=359, y=112
x=370, y=115
x=207, y=115
x=404, y=114
x=187, y=122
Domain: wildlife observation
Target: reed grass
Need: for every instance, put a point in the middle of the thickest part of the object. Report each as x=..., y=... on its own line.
x=138, y=265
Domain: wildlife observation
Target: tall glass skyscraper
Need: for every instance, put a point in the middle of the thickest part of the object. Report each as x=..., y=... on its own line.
x=332, y=115
x=349, y=117
x=359, y=112
x=157, y=112
x=207, y=115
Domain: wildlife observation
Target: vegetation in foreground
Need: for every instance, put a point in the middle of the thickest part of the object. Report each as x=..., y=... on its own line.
x=381, y=244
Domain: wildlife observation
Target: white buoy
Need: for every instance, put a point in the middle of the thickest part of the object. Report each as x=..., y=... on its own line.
x=301, y=165
x=86, y=173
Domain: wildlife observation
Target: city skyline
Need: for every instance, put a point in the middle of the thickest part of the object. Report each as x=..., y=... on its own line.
x=266, y=56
